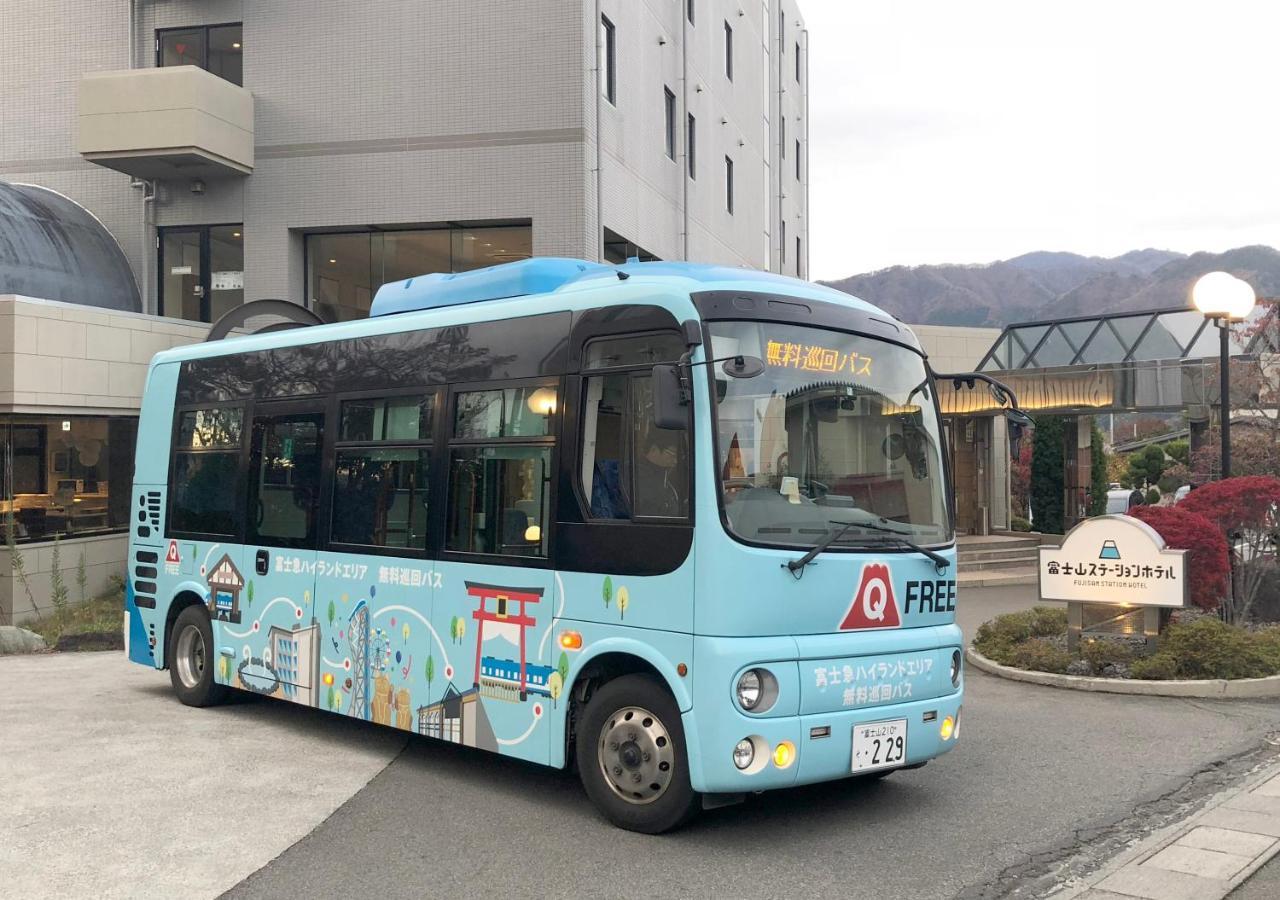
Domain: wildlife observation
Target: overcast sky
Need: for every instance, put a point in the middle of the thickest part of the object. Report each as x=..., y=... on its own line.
x=974, y=131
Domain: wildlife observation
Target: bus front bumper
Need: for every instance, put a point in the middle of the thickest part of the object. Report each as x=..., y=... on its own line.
x=821, y=744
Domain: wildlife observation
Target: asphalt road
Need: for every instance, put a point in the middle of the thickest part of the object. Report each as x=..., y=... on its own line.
x=1043, y=781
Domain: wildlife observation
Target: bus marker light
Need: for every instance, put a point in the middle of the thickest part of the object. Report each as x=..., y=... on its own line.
x=571, y=640
x=948, y=727
x=931, y=716
x=784, y=754
x=819, y=732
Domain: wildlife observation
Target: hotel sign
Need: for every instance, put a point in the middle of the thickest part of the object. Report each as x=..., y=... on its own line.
x=1115, y=560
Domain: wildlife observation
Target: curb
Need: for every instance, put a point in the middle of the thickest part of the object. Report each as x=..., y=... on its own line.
x=1216, y=688
x=1242, y=812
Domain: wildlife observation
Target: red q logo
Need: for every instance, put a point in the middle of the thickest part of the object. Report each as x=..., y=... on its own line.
x=873, y=604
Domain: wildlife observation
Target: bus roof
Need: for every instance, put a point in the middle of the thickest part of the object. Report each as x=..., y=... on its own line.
x=546, y=275
x=519, y=288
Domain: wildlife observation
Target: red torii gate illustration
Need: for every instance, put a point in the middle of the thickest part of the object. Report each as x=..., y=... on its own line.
x=501, y=597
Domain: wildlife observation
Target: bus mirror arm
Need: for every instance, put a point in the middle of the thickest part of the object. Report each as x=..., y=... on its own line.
x=672, y=389
x=1003, y=395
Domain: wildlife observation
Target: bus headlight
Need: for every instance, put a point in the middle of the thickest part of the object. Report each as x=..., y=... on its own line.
x=756, y=690
x=955, y=668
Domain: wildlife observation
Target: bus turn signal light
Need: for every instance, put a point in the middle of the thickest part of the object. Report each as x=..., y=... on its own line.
x=784, y=754
x=948, y=726
x=571, y=640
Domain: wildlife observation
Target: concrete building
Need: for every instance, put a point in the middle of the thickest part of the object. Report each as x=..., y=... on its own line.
x=311, y=152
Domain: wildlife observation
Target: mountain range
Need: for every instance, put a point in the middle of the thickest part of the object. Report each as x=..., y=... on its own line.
x=1051, y=285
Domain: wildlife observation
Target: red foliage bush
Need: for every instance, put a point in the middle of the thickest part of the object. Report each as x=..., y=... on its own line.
x=1207, y=563
x=1236, y=504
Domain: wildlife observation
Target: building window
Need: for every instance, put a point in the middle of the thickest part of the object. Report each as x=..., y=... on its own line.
x=201, y=271
x=799, y=268
x=728, y=184
x=345, y=269
x=782, y=244
x=381, y=472
x=619, y=249
x=669, y=112
x=691, y=146
x=688, y=10
x=728, y=51
x=215, y=48
x=797, y=159
x=66, y=475
x=609, y=68
x=797, y=62
x=500, y=471
x=782, y=136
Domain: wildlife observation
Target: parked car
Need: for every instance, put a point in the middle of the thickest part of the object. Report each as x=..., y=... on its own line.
x=1123, y=500
x=1181, y=492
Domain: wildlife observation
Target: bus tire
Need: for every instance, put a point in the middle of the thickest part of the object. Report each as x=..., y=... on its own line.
x=191, y=655
x=632, y=756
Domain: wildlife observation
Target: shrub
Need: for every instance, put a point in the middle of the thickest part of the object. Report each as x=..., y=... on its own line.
x=1210, y=648
x=1047, y=474
x=1039, y=655
x=1153, y=496
x=1020, y=524
x=997, y=637
x=1102, y=652
x=1207, y=562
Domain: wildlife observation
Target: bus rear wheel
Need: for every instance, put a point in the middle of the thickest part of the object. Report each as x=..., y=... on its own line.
x=191, y=655
x=632, y=758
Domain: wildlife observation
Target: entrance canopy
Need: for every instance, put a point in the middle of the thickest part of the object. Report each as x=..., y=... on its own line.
x=1155, y=360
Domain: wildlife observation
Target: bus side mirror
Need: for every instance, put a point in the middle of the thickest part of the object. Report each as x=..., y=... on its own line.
x=670, y=400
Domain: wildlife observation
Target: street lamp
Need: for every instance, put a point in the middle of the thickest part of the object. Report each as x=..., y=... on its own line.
x=1224, y=299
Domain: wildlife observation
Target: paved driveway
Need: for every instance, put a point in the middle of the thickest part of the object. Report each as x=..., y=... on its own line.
x=1041, y=775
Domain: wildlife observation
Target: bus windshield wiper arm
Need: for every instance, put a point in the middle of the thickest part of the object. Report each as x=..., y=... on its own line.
x=940, y=561
x=797, y=565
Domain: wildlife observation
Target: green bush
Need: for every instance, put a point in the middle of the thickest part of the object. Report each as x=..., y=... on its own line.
x=1039, y=655
x=1101, y=652
x=1210, y=648
x=997, y=638
x=1153, y=496
x=1021, y=524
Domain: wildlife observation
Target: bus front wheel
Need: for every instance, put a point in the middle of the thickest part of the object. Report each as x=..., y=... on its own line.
x=191, y=656
x=632, y=758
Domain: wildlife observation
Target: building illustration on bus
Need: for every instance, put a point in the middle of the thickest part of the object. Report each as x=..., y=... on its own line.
x=414, y=519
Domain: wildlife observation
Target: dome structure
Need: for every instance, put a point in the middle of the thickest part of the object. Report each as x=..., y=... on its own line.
x=52, y=248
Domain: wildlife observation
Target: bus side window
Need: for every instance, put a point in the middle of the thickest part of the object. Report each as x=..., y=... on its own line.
x=206, y=468
x=630, y=467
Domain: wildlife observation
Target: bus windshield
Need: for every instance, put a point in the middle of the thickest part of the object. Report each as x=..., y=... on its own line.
x=839, y=428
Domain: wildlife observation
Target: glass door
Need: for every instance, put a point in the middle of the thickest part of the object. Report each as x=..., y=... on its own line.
x=285, y=478
x=201, y=271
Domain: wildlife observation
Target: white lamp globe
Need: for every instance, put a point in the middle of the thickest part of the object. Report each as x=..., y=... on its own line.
x=1221, y=294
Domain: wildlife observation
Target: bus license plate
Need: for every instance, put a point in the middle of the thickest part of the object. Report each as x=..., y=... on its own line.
x=879, y=745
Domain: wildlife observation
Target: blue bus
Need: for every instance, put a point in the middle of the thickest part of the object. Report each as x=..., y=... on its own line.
x=685, y=528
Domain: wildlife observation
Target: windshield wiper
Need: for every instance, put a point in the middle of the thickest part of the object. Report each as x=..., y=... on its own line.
x=871, y=523
x=939, y=561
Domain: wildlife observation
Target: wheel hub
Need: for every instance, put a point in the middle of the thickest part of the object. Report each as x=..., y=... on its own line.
x=189, y=656
x=636, y=755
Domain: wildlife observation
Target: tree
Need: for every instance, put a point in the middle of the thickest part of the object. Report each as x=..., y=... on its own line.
x=624, y=600
x=1178, y=451
x=1098, y=480
x=1207, y=561
x=462, y=629
x=606, y=591
x=1047, y=474
x=562, y=666
x=1254, y=451
x=430, y=671
x=555, y=684
x=1145, y=467
x=454, y=633
x=1244, y=511
x=249, y=591
x=333, y=613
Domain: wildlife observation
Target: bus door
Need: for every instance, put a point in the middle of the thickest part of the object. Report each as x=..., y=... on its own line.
x=283, y=512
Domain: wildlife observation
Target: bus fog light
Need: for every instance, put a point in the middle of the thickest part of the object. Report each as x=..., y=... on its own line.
x=744, y=754
x=947, y=728
x=784, y=754
x=955, y=668
x=756, y=690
